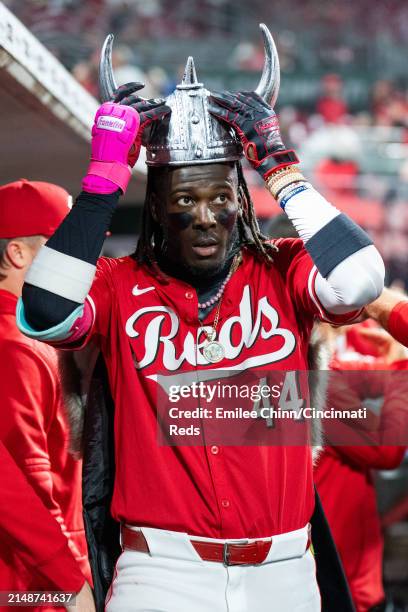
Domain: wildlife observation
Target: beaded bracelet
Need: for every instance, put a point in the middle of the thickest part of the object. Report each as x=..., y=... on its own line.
x=281, y=179
x=277, y=174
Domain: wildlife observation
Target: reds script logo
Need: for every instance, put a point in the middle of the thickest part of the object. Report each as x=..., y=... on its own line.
x=265, y=325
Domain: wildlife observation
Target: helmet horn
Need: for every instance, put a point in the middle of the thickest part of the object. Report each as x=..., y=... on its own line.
x=268, y=87
x=107, y=84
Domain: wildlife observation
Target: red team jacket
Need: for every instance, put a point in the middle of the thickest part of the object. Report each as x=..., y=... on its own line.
x=27, y=526
x=398, y=322
x=345, y=485
x=33, y=427
x=145, y=326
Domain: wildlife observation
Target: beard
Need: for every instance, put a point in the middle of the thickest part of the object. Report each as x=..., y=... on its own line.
x=197, y=276
x=217, y=268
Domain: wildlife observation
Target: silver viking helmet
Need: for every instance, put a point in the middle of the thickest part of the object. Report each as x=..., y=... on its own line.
x=193, y=135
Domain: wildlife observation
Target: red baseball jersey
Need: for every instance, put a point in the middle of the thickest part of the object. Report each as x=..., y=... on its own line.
x=346, y=488
x=144, y=327
x=34, y=429
x=27, y=526
x=398, y=322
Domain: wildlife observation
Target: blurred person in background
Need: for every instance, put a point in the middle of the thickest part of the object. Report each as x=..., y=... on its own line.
x=248, y=56
x=354, y=519
x=337, y=177
x=381, y=97
x=343, y=473
x=28, y=528
x=86, y=71
x=125, y=68
x=331, y=104
x=34, y=417
x=389, y=104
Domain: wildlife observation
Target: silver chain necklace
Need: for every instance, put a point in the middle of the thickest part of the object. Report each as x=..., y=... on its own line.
x=213, y=350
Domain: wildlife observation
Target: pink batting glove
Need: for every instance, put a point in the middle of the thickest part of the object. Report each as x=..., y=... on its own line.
x=113, y=135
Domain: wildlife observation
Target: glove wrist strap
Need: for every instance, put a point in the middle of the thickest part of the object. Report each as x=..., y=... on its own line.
x=276, y=161
x=116, y=172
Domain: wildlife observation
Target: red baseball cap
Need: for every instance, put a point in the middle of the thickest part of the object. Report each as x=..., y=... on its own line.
x=31, y=208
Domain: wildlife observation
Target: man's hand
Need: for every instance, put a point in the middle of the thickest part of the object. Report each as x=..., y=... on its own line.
x=84, y=601
x=388, y=349
x=149, y=110
x=258, y=128
x=113, y=135
x=381, y=308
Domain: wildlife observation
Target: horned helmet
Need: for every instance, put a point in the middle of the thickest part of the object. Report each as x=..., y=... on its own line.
x=192, y=135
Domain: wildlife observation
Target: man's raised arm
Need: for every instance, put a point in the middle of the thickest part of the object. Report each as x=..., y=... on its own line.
x=53, y=307
x=350, y=269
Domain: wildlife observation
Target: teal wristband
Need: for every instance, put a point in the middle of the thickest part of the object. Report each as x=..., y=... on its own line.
x=59, y=332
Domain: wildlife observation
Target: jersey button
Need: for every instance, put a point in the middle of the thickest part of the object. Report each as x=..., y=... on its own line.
x=215, y=450
x=189, y=295
x=225, y=503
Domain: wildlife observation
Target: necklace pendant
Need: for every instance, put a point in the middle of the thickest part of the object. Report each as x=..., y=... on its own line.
x=210, y=334
x=214, y=351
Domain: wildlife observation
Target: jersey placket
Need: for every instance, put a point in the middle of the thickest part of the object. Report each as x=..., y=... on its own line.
x=216, y=454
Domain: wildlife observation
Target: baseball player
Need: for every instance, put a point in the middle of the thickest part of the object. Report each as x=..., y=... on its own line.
x=354, y=518
x=360, y=543
x=202, y=527
x=34, y=424
x=341, y=468
x=44, y=549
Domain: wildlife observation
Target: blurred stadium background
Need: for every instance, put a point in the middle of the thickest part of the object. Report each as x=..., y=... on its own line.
x=343, y=105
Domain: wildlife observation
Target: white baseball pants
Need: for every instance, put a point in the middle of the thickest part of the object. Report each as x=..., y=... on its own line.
x=173, y=578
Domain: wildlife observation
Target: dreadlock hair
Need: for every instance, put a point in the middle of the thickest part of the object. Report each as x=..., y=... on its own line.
x=152, y=233
x=250, y=233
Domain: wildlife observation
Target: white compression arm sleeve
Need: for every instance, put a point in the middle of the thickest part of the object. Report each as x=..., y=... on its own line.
x=355, y=282
x=356, y=276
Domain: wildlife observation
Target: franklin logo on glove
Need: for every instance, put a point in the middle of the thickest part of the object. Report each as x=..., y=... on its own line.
x=111, y=123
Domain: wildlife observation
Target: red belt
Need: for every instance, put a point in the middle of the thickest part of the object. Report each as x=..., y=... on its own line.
x=230, y=553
